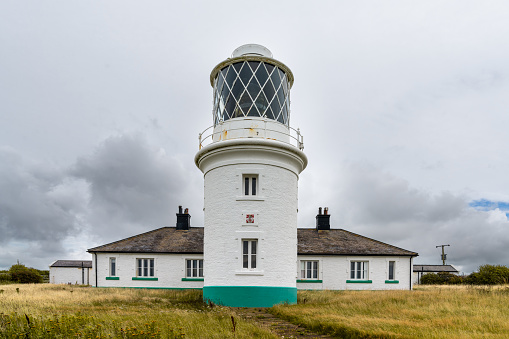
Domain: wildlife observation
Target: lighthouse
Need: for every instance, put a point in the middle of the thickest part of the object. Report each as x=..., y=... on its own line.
x=251, y=159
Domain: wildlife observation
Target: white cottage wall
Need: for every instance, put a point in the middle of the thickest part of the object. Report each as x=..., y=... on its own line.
x=334, y=272
x=69, y=275
x=169, y=271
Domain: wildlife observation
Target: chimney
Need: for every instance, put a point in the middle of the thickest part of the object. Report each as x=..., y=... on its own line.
x=323, y=220
x=183, y=219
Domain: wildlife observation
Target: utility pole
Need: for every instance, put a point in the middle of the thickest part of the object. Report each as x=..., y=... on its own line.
x=444, y=256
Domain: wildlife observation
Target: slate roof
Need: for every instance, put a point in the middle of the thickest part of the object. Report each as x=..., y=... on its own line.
x=342, y=242
x=161, y=240
x=310, y=242
x=72, y=263
x=435, y=268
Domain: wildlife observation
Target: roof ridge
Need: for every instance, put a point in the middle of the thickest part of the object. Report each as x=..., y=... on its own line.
x=134, y=236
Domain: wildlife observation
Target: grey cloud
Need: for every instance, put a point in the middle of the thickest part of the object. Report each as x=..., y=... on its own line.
x=134, y=187
x=38, y=210
x=127, y=186
x=379, y=205
x=398, y=87
x=30, y=209
x=374, y=197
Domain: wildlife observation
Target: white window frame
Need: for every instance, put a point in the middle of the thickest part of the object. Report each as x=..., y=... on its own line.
x=194, y=268
x=248, y=187
x=145, y=267
x=113, y=267
x=393, y=270
x=359, y=270
x=250, y=259
x=309, y=270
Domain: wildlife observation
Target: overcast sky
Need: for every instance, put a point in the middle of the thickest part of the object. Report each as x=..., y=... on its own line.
x=403, y=106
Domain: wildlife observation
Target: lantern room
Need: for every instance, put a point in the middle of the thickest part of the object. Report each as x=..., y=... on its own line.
x=252, y=97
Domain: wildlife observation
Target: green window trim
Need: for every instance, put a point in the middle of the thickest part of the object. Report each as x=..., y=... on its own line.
x=359, y=281
x=112, y=278
x=192, y=279
x=143, y=278
x=309, y=281
x=392, y=281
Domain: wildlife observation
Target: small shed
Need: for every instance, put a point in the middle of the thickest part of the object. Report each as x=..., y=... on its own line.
x=70, y=272
x=420, y=270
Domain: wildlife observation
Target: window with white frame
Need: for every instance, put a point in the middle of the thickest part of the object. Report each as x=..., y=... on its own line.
x=250, y=184
x=309, y=269
x=392, y=270
x=113, y=267
x=145, y=267
x=249, y=251
x=359, y=270
x=194, y=268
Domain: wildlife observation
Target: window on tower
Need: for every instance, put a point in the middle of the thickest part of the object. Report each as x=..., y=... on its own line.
x=250, y=184
x=249, y=253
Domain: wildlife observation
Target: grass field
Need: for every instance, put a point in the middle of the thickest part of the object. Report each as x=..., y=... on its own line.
x=60, y=311
x=426, y=312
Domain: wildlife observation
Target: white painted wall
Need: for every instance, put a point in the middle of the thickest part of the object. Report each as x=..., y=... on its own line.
x=252, y=127
x=169, y=270
x=335, y=271
x=66, y=275
x=416, y=277
x=275, y=218
x=275, y=207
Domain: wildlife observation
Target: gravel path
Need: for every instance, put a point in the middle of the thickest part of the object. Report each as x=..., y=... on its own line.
x=277, y=325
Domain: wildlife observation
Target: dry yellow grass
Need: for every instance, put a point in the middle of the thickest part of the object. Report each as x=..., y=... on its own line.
x=427, y=312
x=61, y=311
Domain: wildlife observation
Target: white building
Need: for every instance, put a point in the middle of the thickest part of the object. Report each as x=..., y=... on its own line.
x=173, y=258
x=250, y=235
x=250, y=251
x=70, y=272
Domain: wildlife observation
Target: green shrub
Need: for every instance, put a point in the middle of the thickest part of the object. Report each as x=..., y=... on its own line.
x=441, y=278
x=489, y=275
x=5, y=277
x=24, y=275
x=455, y=280
x=431, y=279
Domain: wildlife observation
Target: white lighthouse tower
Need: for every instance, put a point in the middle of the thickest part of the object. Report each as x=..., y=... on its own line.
x=251, y=160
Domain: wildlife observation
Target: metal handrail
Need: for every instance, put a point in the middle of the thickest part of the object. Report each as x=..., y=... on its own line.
x=298, y=138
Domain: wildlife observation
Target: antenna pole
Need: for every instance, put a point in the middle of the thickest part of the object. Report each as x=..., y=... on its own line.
x=443, y=254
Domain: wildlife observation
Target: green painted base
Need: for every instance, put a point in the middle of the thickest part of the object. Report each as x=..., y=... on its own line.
x=250, y=296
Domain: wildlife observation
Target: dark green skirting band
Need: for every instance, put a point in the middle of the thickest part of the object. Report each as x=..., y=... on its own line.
x=250, y=296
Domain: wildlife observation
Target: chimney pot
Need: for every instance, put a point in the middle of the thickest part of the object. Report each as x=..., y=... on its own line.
x=323, y=220
x=183, y=219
